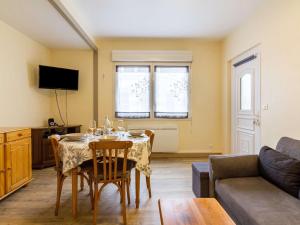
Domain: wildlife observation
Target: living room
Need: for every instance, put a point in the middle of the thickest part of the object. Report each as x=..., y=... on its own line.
x=211, y=46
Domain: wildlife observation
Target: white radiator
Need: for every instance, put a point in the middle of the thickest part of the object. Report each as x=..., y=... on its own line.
x=166, y=136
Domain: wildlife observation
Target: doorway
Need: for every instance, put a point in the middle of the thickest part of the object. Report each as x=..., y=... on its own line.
x=246, y=109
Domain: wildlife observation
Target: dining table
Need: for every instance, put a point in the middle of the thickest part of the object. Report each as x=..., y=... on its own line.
x=74, y=153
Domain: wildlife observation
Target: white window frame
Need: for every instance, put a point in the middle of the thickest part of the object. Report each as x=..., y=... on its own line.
x=152, y=65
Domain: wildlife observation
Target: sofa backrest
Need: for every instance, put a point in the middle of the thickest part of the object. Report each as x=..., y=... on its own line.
x=289, y=146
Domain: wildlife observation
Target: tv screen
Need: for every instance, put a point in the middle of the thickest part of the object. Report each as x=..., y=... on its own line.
x=58, y=78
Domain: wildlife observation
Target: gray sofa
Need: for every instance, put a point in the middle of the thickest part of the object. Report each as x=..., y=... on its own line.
x=247, y=197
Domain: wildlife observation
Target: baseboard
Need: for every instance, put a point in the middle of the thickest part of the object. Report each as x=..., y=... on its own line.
x=183, y=154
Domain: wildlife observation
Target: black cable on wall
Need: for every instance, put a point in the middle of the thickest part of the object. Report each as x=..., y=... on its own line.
x=59, y=108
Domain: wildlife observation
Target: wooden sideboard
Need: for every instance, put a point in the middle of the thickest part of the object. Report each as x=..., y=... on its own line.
x=42, y=154
x=15, y=159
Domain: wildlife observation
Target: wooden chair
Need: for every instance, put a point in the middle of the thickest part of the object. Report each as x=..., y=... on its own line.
x=84, y=173
x=111, y=169
x=151, y=135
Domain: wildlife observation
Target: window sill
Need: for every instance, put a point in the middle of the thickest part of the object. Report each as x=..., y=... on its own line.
x=154, y=119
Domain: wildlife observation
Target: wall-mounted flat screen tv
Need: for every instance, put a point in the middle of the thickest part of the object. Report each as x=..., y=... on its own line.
x=58, y=78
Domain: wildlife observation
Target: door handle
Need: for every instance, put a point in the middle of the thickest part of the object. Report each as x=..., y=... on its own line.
x=256, y=122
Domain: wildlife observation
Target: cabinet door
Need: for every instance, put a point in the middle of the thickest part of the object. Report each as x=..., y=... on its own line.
x=48, y=157
x=2, y=171
x=18, y=163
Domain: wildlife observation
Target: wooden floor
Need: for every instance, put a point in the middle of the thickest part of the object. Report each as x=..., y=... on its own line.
x=34, y=204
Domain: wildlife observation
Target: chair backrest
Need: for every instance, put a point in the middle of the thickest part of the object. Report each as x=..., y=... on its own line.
x=109, y=151
x=150, y=134
x=54, y=143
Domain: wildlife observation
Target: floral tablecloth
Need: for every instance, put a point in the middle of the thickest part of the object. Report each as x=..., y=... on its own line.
x=74, y=153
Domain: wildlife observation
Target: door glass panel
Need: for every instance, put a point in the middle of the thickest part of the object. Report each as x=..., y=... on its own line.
x=246, y=92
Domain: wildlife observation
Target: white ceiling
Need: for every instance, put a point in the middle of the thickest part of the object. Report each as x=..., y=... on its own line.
x=161, y=18
x=126, y=18
x=40, y=21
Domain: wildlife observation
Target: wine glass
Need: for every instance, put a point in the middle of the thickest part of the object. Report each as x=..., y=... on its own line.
x=120, y=125
x=92, y=127
x=110, y=127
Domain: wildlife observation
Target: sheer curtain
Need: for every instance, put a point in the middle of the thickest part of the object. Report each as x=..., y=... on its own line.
x=171, y=91
x=132, y=92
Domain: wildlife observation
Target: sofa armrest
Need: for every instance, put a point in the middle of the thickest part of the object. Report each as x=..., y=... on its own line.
x=231, y=166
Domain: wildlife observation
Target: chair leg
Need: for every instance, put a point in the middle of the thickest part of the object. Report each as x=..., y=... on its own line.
x=91, y=191
x=128, y=190
x=121, y=196
x=148, y=186
x=81, y=182
x=60, y=181
x=129, y=178
x=96, y=192
x=123, y=202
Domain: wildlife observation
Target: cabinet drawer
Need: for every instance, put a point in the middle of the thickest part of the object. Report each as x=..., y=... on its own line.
x=16, y=135
x=1, y=138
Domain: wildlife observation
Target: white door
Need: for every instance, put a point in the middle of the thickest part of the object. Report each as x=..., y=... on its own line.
x=246, y=103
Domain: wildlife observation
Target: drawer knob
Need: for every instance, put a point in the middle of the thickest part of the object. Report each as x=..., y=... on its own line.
x=20, y=134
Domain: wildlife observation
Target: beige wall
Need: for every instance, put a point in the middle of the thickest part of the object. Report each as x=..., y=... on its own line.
x=22, y=103
x=276, y=28
x=204, y=129
x=80, y=103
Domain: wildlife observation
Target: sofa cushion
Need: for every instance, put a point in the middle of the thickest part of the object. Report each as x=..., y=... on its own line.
x=280, y=169
x=289, y=146
x=231, y=166
x=255, y=201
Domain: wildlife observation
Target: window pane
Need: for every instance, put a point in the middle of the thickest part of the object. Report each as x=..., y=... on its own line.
x=171, y=92
x=133, y=92
x=246, y=92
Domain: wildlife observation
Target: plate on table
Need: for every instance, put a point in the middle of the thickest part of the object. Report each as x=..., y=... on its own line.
x=136, y=133
x=75, y=137
x=108, y=138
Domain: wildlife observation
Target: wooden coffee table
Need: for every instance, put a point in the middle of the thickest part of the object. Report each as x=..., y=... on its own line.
x=197, y=211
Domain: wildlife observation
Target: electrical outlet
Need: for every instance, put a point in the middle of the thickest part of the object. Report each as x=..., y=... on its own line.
x=210, y=146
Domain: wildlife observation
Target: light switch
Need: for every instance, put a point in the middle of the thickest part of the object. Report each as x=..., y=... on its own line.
x=266, y=107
